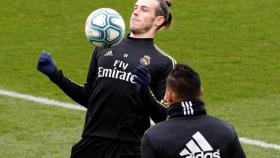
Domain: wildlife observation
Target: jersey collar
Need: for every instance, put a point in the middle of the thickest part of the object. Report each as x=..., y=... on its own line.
x=149, y=40
x=186, y=108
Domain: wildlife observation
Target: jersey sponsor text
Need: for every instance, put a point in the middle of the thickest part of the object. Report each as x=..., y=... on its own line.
x=115, y=73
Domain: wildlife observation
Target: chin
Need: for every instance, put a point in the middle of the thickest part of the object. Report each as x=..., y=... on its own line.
x=134, y=30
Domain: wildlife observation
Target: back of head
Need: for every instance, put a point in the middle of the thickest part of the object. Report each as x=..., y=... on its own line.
x=184, y=82
x=164, y=10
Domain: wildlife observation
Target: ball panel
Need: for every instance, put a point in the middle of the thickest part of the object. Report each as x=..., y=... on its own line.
x=94, y=32
x=114, y=34
x=98, y=44
x=99, y=20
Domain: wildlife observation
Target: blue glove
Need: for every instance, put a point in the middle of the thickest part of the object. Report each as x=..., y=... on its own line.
x=143, y=78
x=46, y=64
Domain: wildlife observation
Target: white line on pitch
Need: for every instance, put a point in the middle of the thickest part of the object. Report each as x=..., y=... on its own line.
x=259, y=143
x=41, y=100
x=77, y=107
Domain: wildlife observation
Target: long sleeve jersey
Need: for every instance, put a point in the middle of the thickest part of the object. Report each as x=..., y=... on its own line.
x=190, y=132
x=114, y=108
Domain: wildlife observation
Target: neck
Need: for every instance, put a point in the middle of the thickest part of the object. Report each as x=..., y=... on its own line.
x=146, y=35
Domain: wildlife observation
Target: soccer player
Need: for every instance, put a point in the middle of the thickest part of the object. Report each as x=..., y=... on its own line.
x=116, y=117
x=189, y=132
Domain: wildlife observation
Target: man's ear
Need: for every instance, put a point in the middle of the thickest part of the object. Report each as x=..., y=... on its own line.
x=169, y=97
x=201, y=92
x=159, y=21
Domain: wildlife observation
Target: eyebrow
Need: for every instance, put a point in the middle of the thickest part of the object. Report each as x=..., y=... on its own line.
x=141, y=6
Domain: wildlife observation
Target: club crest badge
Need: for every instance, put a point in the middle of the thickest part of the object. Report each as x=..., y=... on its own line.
x=145, y=60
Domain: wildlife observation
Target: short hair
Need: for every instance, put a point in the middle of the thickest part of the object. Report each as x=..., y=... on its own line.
x=184, y=82
x=164, y=10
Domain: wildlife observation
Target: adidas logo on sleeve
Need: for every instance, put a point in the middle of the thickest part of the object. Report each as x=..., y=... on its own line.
x=198, y=147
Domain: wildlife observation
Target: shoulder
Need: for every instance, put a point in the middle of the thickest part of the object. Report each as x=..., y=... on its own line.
x=153, y=138
x=98, y=51
x=222, y=128
x=165, y=57
x=159, y=130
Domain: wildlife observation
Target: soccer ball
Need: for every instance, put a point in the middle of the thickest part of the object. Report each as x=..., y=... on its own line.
x=105, y=28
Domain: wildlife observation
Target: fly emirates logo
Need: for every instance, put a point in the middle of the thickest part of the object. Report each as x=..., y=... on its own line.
x=118, y=72
x=198, y=147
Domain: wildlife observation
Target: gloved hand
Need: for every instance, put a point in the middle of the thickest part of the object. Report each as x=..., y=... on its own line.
x=156, y=111
x=143, y=78
x=46, y=64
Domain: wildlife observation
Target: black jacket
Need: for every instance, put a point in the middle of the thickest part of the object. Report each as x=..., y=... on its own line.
x=114, y=109
x=190, y=132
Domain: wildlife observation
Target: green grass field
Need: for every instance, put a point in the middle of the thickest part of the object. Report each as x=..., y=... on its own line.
x=234, y=45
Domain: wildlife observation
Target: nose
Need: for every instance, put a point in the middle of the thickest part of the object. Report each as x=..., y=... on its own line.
x=135, y=11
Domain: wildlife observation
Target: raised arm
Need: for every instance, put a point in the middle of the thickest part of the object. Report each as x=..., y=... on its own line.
x=77, y=92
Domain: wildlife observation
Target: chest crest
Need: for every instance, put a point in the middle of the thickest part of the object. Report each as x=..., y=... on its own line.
x=145, y=60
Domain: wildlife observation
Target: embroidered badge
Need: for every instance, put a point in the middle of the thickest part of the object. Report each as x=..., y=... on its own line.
x=145, y=60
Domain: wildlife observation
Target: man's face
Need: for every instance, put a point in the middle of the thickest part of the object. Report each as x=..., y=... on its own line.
x=143, y=16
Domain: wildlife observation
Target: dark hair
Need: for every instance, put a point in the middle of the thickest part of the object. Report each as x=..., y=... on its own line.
x=184, y=82
x=164, y=10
